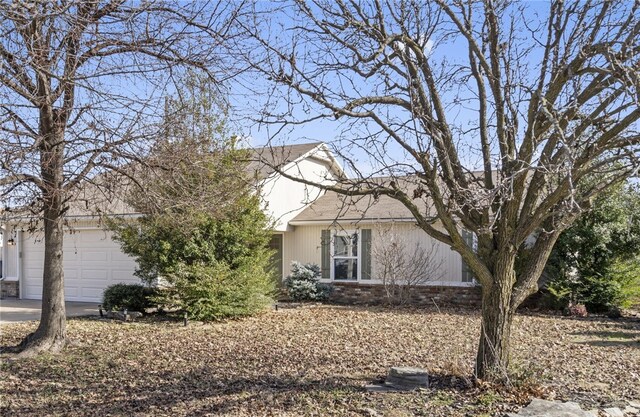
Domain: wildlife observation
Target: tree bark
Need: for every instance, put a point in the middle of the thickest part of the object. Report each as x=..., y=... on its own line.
x=492, y=362
x=51, y=334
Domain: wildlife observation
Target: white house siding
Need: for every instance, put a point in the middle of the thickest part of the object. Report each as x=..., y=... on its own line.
x=284, y=198
x=9, y=254
x=304, y=246
x=92, y=261
x=288, y=252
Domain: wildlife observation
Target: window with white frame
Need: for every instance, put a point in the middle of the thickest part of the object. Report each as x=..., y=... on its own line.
x=345, y=251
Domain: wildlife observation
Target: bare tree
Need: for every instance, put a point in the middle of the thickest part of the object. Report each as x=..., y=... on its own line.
x=401, y=264
x=507, y=117
x=81, y=85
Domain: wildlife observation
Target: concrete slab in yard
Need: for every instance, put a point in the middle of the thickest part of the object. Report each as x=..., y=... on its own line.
x=13, y=310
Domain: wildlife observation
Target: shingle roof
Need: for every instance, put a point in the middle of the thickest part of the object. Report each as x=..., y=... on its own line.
x=262, y=160
x=333, y=206
x=92, y=199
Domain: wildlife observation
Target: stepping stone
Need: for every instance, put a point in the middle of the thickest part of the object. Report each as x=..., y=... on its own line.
x=613, y=412
x=631, y=410
x=407, y=378
x=543, y=408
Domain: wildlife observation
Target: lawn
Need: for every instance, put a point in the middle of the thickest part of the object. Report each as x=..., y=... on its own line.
x=316, y=360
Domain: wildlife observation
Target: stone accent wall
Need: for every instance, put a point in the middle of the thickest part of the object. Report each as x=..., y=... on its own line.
x=9, y=289
x=356, y=293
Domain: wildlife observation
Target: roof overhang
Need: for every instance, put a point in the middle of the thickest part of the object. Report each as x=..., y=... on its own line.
x=351, y=221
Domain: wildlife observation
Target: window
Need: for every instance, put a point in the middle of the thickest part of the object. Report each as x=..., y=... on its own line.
x=345, y=251
x=346, y=255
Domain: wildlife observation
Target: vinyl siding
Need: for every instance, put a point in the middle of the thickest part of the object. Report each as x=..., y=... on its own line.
x=303, y=245
x=284, y=199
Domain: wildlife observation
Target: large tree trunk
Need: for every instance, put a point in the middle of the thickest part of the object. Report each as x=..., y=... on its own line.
x=51, y=334
x=492, y=362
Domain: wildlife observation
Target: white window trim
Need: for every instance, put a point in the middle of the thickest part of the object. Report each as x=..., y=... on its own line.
x=332, y=257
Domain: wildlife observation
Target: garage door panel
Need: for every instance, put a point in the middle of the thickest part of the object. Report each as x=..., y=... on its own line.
x=94, y=256
x=70, y=274
x=92, y=236
x=33, y=273
x=71, y=281
x=70, y=257
x=39, y=258
x=92, y=261
x=118, y=256
x=71, y=291
x=92, y=293
x=123, y=266
x=121, y=275
x=94, y=275
x=33, y=292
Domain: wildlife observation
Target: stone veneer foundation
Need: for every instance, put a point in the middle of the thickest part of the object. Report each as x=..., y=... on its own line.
x=356, y=293
x=9, y=289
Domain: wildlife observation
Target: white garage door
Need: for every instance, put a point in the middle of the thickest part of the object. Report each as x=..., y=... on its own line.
x=92, y=262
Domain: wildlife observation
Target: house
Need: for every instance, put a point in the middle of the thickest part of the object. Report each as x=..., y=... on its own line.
x=311, y=226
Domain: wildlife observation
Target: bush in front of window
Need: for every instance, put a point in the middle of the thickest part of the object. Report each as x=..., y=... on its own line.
x=303, y=284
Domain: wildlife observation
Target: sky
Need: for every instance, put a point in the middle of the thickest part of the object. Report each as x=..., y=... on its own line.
x=248, y=93
x=246, y=102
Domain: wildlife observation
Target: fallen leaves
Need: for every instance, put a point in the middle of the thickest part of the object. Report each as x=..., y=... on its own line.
x=313, y=360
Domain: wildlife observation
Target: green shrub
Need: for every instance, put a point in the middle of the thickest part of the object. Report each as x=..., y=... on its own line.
x=217, y=267
x=217, y=291
x=303, y=284
x=134, y=297
x=204, y=230
x=618, y=287
x=627, y=274
x=596, y=261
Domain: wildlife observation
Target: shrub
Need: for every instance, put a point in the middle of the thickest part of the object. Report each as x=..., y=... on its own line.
x=596, y=262
x=214, y=267
x=134, y=297
x=618, y=287
x=217, y=291
x=303, y=284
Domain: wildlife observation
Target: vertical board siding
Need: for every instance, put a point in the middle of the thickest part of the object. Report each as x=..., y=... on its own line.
x=304, y=245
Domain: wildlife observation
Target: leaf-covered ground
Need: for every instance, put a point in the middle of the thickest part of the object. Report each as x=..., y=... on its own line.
x=315, y=360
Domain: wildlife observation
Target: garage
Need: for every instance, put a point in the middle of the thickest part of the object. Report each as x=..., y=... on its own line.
x=92, y=262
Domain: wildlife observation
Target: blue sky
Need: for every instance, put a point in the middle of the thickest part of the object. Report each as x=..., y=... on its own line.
x=328, y=130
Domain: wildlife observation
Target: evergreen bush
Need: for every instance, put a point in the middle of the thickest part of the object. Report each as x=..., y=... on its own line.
x=133, y=297
x=303, y=284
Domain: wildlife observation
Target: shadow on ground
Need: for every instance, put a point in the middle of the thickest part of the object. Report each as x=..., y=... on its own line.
x=184, y=391
x=609, y=338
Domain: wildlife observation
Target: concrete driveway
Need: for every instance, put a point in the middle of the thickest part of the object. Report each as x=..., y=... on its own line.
x=13, y=310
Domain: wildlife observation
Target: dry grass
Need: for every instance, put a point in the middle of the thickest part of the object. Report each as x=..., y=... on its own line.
x=314, y=360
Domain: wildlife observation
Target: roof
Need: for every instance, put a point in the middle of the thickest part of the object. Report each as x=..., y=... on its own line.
x=337, y=207
x=263, y=160
x=93, y=199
